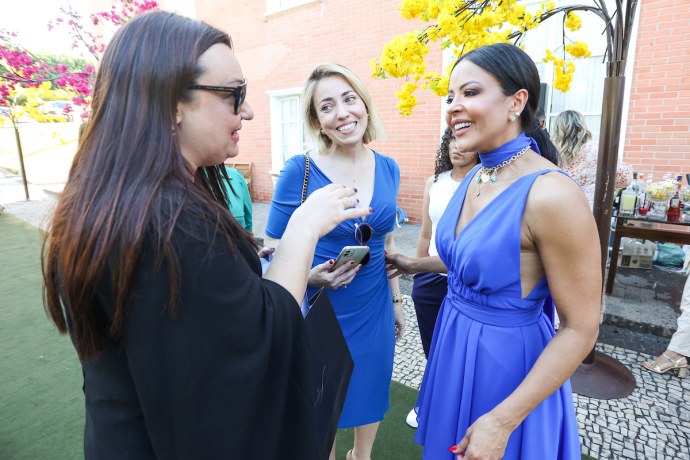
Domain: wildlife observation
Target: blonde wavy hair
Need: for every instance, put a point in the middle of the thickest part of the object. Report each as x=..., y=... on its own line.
x=570, y=133
x=324, y=143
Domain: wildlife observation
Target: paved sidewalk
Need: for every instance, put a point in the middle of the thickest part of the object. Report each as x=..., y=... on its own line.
x=652, y=423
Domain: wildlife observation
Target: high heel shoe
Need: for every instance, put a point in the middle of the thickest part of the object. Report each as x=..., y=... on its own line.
x=680, y=369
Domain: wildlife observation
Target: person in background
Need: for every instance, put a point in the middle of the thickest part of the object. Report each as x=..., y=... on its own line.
x=186, y=351
x=238, y=195
x=516, y=233
x=675, y=358
x=340, y=116
x=580, y=154
x=541, y=118
x=429, y=289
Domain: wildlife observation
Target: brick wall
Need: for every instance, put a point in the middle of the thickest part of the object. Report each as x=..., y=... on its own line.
x=279, y=52
x=658, y=131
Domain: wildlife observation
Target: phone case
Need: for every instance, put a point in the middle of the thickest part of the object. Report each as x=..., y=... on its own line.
x=350, y=253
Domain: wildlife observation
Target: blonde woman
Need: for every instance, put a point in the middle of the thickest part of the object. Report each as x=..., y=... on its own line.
x=579, y=153
x=341, y=117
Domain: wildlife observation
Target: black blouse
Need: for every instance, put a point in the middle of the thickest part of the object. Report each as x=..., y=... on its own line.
x=227, y=377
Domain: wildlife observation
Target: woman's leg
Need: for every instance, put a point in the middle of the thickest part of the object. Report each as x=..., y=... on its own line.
x=680, y=342
x=679, y=349
x=365, y=436
x=332, y=455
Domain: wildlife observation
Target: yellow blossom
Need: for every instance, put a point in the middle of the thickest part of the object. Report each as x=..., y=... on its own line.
x=563, y=77
x=407, y=100
x=578, y=50
x=464, y=25
x=548, y=6
x=413, y=8
x=572, y=21
x=433, y=9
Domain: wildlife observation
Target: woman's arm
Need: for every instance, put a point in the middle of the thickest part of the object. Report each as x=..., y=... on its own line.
x=561, y=226
x=394, y=284
x=424, y=240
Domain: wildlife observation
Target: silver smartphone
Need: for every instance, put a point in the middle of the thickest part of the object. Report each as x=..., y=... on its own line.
x=351, y=253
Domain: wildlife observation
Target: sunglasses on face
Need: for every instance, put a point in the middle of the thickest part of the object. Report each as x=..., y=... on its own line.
x=363, y=234
x=239, y=93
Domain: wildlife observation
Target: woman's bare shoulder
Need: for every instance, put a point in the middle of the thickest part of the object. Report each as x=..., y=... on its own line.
x=555, y=192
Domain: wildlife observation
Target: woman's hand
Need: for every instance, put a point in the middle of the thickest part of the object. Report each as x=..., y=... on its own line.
x=399, y=264
x=399, y=321
x=265, y=252
x=486, y=439
x=327, y=207
x=321, y=275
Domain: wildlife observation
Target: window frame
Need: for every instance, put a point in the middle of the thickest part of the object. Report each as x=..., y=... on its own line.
x=276, y=98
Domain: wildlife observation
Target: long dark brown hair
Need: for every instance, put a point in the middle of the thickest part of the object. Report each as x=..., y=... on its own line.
x=129, y=182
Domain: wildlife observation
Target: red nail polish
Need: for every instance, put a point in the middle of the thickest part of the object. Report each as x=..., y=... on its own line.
x=330, y=262
x=452, y=448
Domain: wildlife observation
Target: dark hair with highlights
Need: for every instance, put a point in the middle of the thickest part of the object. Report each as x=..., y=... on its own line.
x=129, y=182
x=515, y=70
x=443, y=162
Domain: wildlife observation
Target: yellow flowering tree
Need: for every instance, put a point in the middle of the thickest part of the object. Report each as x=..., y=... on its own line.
x=464, y=25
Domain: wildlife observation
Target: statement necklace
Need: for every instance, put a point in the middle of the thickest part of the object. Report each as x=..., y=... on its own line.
x=490, y=174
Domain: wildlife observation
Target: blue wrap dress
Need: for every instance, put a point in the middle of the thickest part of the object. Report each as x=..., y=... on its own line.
x=488, y=337
x=365, y=309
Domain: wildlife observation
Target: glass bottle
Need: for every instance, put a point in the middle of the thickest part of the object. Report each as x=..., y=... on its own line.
x=628, y=200
x=674, y=206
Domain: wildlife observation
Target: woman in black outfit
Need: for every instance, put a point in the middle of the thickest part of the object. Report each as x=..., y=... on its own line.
x=187, y=351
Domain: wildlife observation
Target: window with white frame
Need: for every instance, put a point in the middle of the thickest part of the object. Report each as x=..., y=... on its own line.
x=586, y=94
x=288, y=136
x=275, y=6
x=587, y=88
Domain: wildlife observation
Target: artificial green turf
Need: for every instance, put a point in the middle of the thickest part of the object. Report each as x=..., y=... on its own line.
x=41, y=401
x=394, y=439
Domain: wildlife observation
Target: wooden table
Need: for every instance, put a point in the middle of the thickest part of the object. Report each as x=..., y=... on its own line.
x=654, y=234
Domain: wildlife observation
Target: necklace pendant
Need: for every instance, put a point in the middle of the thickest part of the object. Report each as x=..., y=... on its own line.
x=485, y=178
x=492, y=178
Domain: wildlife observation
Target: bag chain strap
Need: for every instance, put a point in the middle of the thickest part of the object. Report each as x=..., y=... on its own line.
x=306, y=177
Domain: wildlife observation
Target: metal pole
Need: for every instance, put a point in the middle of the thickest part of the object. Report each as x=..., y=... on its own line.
x=21, y=159
x=600, y=376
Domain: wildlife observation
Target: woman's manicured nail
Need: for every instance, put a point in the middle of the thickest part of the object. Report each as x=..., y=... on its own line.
x=330, y=262
x=355, y=189
x=452, y=448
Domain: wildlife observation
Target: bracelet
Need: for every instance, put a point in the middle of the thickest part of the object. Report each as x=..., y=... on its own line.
x=397, y=298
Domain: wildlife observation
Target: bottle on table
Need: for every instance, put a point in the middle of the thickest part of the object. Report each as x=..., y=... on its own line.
x=628, y=200
x=674, y=211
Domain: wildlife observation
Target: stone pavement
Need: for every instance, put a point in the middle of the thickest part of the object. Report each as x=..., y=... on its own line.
x=652, y=423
